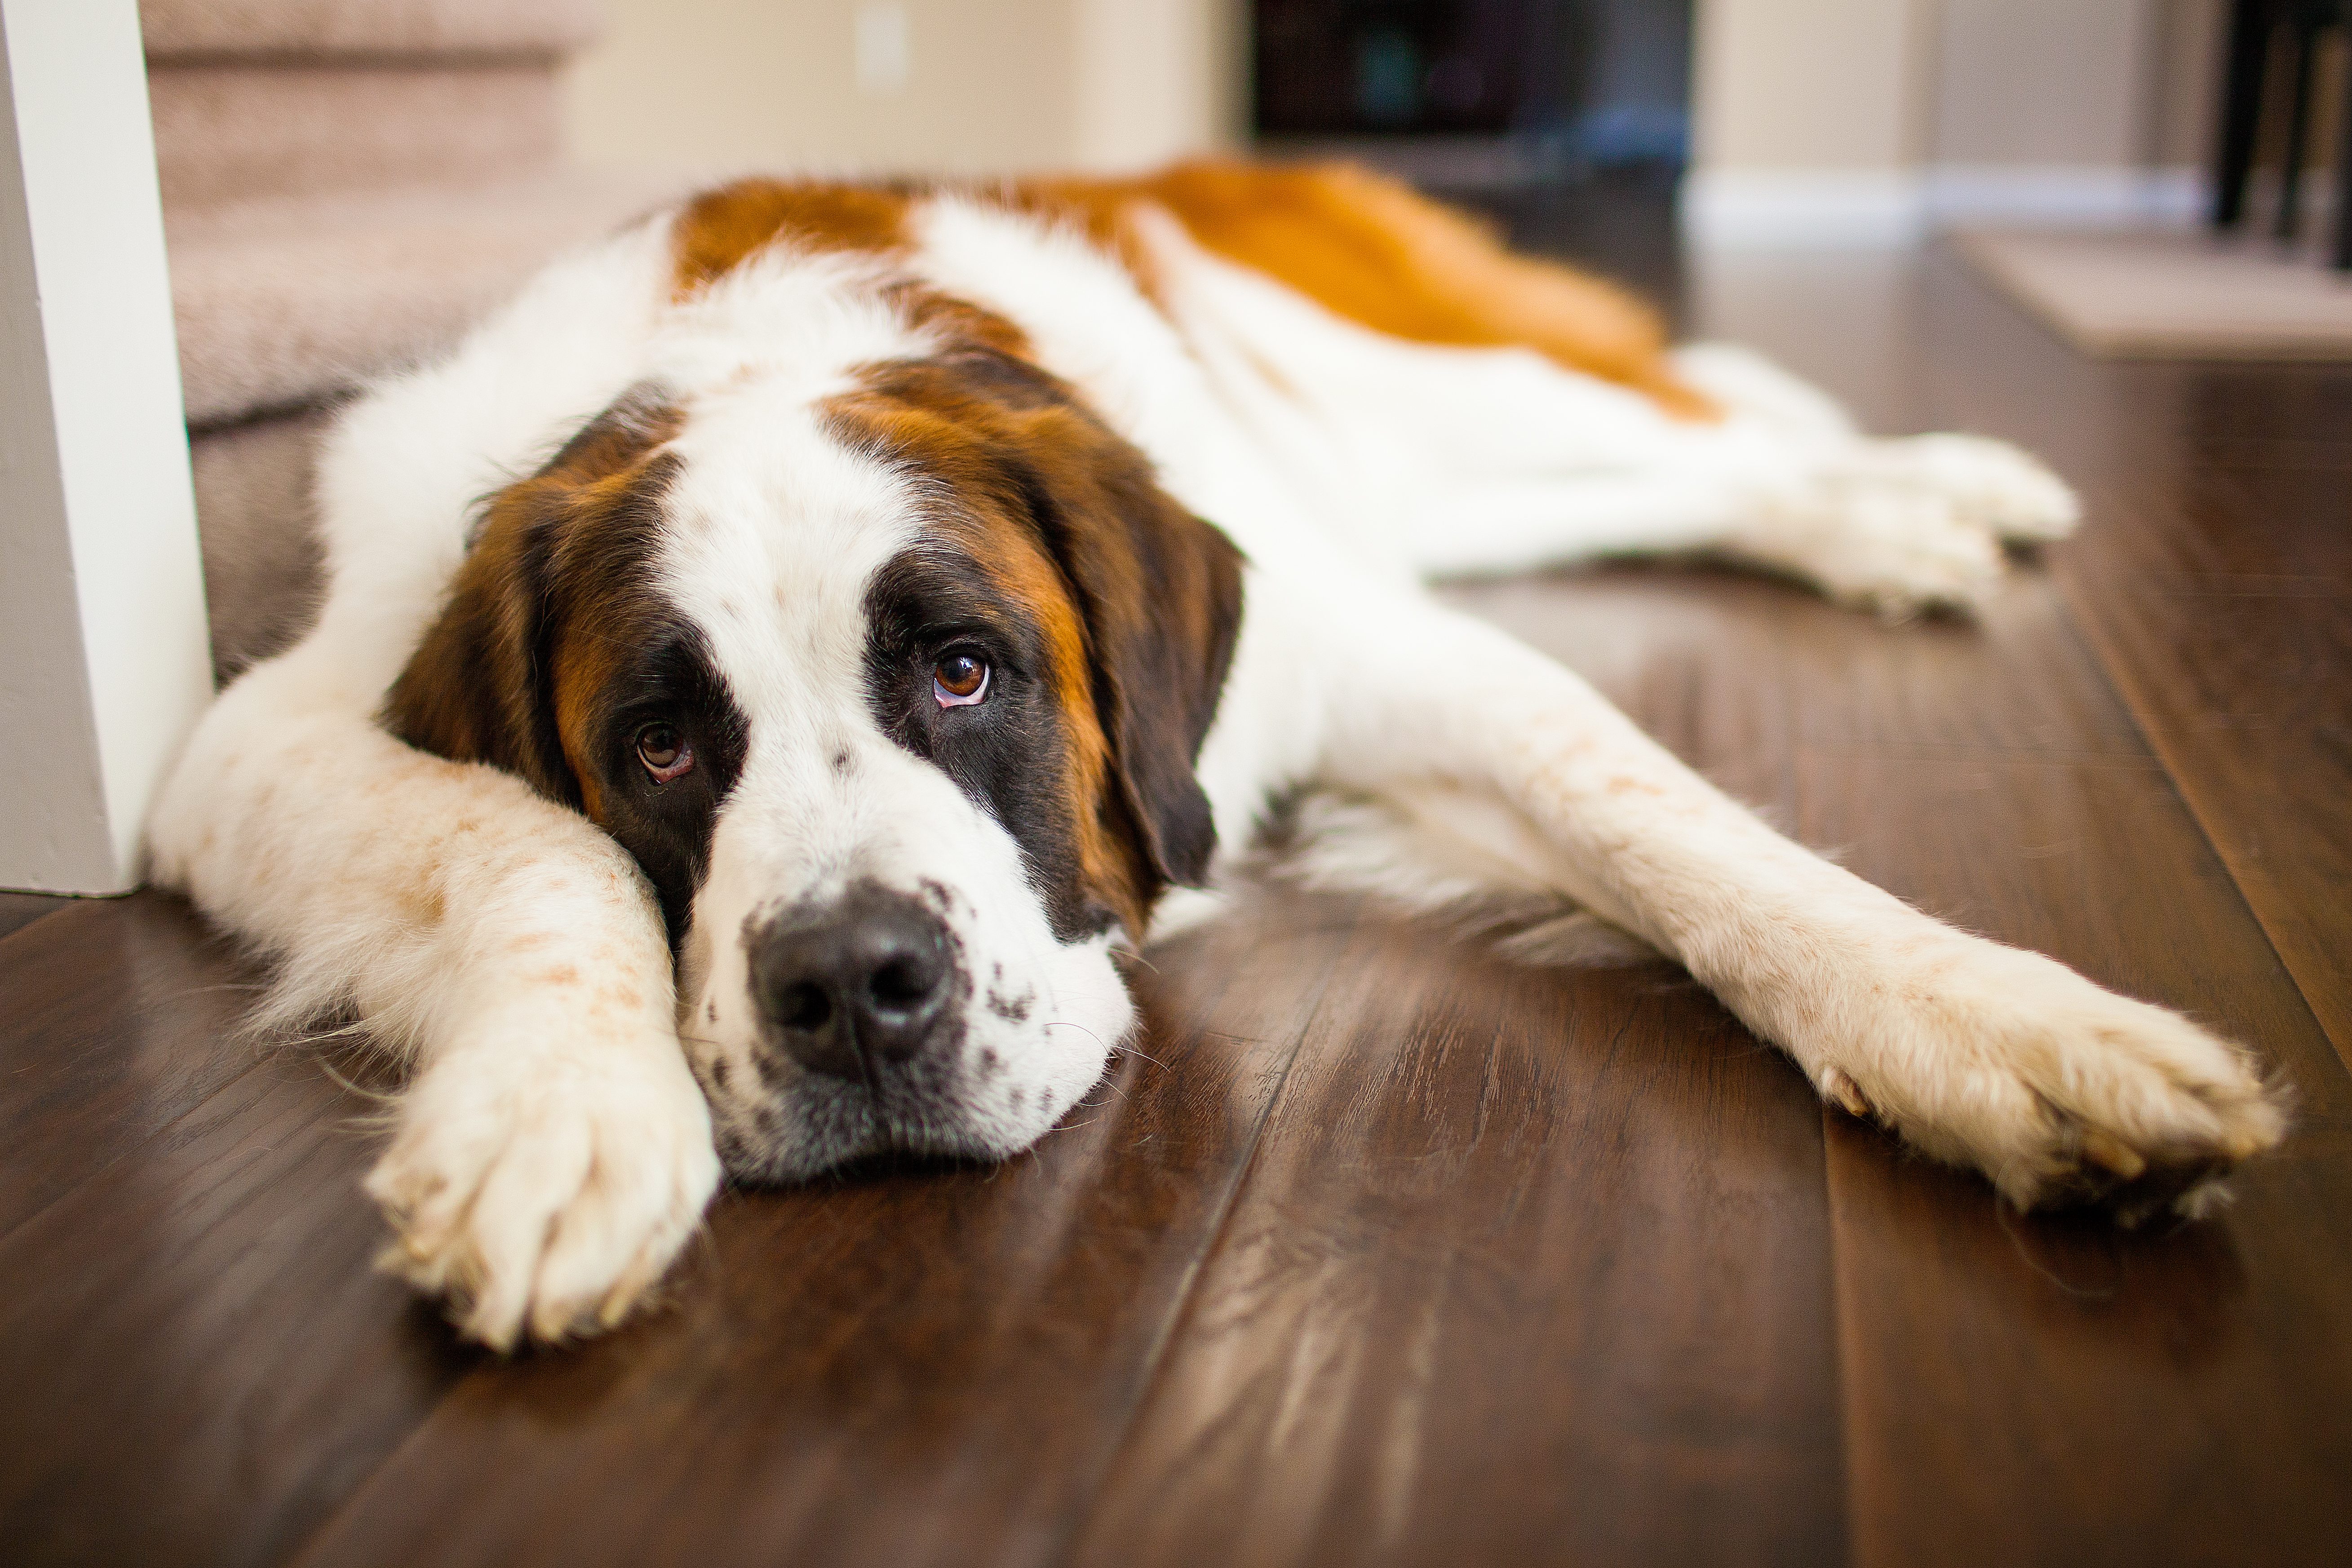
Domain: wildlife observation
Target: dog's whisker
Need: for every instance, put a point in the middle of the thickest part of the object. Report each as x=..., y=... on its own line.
x=348, y=1086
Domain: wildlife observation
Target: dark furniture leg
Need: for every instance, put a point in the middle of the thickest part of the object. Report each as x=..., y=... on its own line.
x=2342, y=257
x=2242, y=108
x=2302, y=39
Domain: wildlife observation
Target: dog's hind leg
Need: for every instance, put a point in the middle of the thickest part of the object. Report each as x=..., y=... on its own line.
x=552, y=1150
x=1481, y=460
x=1979, y=1053
x=1529, y=467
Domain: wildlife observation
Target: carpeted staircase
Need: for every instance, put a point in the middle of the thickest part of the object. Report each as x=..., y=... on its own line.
x=347, y=184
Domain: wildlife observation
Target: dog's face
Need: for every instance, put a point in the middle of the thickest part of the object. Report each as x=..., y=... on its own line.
x=892, y=681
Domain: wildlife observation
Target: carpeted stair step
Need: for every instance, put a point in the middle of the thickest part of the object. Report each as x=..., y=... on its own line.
x=186, y=31
x=255, y=519
x=255, y=98
x=348, y=185
x=236, y=132
x=286, y=304
x=285, y=301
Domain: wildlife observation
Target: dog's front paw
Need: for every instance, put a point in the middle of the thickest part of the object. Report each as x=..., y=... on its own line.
x=2061, y=1092
x=545, y=1196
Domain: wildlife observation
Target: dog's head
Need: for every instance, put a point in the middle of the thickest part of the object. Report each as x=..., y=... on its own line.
x=889, y=664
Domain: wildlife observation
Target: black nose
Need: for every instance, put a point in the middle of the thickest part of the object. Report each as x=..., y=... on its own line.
x=861, y=983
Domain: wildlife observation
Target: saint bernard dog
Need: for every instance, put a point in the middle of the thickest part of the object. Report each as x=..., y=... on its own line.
x=771, y=670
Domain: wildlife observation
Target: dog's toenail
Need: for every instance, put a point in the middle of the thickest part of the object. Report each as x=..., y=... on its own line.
x=1836, y=1085
x=2111, y=1153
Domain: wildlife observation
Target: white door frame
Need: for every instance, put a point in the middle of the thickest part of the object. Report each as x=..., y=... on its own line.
x=105, y=657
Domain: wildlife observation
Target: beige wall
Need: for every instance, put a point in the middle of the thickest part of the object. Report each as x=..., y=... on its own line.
x=2186, y=77
x=1857, y=85
x=989, y=86
x=2033, y=82
x=1810, y=84
x=1157, y=78
x=1860, y=89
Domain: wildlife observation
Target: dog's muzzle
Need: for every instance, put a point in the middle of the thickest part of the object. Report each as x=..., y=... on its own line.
x=857, y=988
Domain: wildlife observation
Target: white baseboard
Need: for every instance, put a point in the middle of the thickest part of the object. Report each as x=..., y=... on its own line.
x=1759, y=209
x=2063, y=195
x=1738, y=208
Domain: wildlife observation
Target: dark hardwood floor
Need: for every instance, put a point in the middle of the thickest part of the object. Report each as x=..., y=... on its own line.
x=19, y=909
x=1379, y=1251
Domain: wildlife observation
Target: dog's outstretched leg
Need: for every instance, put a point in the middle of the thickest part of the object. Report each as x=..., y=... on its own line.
x=1979, y=1054
x=552, y=1150
x=1478, y=461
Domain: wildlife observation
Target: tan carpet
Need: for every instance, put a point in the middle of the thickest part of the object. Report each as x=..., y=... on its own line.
x=262, y=576
x=229, y=131
x=248, y=29
x=2172, y=296
x=284, y=301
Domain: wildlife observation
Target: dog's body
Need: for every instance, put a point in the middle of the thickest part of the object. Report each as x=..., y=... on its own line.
x=770, y=773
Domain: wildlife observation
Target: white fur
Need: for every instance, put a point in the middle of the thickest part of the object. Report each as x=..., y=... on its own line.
x=553, y=1151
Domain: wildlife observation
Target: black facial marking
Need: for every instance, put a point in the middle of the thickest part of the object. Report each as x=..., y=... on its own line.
x=670, y=677
x=1008, y=754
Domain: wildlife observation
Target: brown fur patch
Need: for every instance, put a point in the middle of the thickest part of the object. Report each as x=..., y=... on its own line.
x=717, y=230
x=1378, y=253
x=540, y=612
x=1363, y=246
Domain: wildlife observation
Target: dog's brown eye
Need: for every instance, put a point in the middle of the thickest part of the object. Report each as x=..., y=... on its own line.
x=960, y=680
x=664, y=752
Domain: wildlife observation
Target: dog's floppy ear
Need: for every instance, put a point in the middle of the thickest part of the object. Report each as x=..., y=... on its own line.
x=479, y=687
x=482, y=684
x=1161, y=591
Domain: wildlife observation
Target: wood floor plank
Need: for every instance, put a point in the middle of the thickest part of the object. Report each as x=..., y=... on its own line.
x=1733, y=671
x=2265, y=758
x=1529, y=1268
x=199, y=1361
x=20, y=909
x=120, y=1017
x=913, y=1365
x=2041, y=1390
x=2044, y=1390
x=2216, y=585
